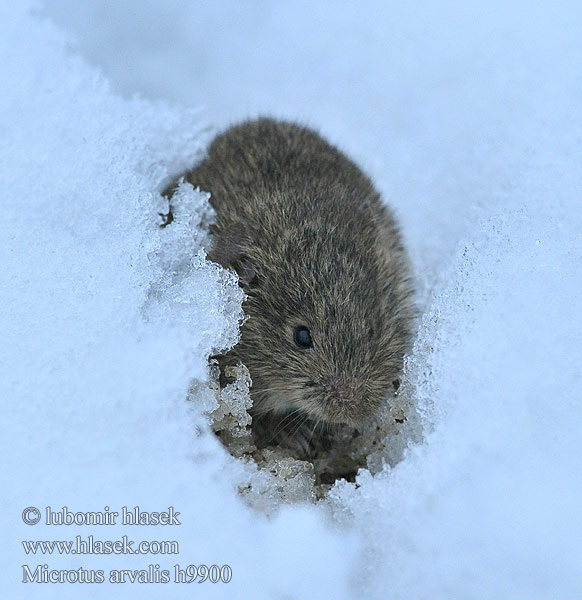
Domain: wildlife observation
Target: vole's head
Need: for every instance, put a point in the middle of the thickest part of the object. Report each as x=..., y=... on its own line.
x=329, y=312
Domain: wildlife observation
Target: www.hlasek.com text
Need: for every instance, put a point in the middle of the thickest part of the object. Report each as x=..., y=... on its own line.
x=89, y=545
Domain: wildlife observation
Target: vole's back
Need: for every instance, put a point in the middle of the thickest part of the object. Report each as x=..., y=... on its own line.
x=270, y=155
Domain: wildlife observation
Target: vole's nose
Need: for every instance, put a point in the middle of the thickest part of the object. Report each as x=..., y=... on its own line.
x=343, y=389
x=348, y=400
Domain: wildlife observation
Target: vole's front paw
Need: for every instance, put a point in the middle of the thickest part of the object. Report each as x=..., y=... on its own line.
x=300, y=439
x=302, y=436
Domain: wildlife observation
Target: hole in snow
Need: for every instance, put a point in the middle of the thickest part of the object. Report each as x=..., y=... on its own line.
x=275, y=475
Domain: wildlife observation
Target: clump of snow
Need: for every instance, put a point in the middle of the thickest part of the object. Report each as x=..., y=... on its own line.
x=231, y=417
x=177, y=293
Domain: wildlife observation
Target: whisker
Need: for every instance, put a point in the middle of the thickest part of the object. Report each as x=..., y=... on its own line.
x=287, y=421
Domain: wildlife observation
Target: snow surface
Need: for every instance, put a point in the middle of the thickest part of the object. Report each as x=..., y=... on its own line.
x=468, y=117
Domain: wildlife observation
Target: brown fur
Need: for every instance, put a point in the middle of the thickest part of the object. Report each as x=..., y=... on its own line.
x=313, y=245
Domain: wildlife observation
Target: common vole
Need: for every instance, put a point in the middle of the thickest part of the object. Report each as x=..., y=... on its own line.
x=327, y=278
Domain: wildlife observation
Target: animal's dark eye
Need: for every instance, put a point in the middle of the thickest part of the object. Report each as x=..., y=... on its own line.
x=302, y=337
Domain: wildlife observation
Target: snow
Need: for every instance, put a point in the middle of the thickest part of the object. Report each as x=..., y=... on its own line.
x=468, y=118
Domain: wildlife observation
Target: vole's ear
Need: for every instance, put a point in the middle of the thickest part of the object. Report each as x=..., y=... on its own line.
x=230, y=251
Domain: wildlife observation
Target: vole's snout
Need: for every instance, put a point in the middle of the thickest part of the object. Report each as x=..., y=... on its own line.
x=348, y=401
x=343, y=389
